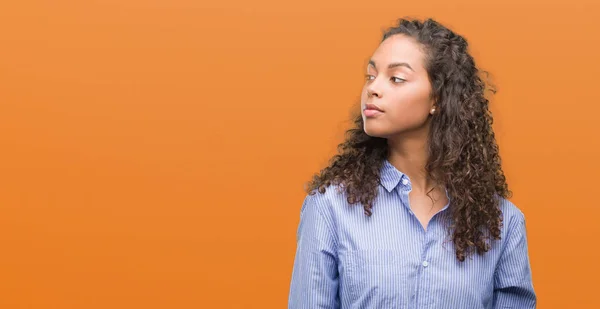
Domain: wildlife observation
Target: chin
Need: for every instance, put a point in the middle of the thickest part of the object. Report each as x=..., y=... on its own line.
x=374, y=130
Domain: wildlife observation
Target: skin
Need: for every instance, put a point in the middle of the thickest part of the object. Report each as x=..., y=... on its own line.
x=404, y=96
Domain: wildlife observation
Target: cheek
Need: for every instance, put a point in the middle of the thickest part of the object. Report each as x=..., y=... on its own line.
x=408, y=112
x=409, y=107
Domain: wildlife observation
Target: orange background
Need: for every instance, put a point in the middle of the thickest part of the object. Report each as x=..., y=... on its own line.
x=153, y=153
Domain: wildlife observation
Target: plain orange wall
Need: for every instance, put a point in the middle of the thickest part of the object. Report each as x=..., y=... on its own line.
x=153, y=153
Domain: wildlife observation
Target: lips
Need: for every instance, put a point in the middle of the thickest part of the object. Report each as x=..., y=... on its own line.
x=370, y=106
x=371, y=113
x=372, y=110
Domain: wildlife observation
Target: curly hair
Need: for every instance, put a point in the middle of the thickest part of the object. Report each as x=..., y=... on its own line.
x=462, y=150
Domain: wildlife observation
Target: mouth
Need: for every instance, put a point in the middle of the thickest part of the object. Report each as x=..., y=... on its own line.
x=373, y=107
x=372, y=110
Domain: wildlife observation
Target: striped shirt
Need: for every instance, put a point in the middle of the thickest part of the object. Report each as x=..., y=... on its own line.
x=345, y=259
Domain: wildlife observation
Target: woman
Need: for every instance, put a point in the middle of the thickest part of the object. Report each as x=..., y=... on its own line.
x=434, y=228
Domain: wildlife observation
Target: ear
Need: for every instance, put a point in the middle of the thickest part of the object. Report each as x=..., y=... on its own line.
x=432, y=107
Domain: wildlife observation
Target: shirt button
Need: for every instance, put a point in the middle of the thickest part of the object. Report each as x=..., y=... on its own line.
x=425, y=264
x=405, y=181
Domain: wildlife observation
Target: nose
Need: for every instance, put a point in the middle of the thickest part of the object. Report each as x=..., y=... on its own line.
x=372, y=92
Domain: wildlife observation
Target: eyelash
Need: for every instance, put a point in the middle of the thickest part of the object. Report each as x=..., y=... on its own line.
x=402, y=80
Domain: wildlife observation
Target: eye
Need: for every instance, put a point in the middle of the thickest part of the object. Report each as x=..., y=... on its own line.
x=368, y=76
x=398, y=78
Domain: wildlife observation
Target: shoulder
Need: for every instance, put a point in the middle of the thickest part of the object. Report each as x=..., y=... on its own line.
x=512, y=216
x=317, y=215
x=323, y=202
x=326, y=205
x=510, y=210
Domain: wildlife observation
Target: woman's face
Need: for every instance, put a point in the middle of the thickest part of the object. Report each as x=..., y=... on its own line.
x=398, y=84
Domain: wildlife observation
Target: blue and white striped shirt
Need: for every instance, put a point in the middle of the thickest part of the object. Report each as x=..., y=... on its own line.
x=345, y=259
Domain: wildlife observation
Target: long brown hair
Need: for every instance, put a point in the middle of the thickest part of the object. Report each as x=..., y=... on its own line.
x=463, y=154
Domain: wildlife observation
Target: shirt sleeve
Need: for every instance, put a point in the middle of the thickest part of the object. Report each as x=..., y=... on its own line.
x=513, y=286
x=315, y=278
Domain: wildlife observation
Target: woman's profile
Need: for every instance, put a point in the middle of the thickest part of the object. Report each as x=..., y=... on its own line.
x=413, y=211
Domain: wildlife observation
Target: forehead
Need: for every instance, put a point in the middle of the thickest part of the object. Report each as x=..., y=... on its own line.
x=399, y=48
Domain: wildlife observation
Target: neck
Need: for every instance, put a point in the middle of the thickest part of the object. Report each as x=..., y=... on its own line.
x=409, y=153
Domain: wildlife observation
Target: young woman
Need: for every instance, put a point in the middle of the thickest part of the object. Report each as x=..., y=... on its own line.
x=433, y=227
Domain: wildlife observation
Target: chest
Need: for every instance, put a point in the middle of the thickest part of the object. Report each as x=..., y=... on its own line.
x=390, y=261
x=424, y=206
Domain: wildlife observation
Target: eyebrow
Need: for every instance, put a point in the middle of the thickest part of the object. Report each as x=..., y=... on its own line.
x=393, y=65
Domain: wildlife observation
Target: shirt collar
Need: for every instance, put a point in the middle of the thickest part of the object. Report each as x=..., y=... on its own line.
x=390, y=177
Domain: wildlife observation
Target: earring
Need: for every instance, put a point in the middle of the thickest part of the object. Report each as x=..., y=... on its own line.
x=433, y=110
